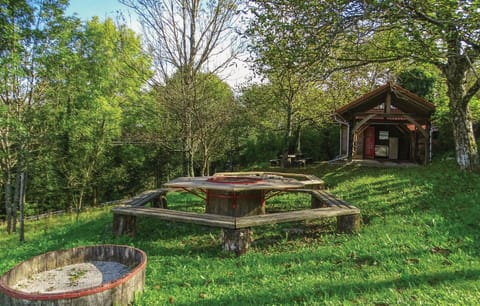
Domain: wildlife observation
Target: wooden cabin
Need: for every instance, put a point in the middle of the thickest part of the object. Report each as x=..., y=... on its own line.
x=388, y=123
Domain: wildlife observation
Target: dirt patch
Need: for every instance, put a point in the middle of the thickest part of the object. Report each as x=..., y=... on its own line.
x=73, y=277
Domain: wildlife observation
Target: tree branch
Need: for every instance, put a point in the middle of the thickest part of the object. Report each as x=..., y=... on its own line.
x=471, y=92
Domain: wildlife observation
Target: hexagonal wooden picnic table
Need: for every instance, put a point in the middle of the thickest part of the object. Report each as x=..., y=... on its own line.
x=236, y=201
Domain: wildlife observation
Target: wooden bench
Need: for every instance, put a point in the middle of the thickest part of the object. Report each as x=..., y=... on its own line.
x=156, y=197
x=237, y=230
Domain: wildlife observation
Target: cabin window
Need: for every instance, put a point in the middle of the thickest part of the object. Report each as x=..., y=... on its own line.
x=383, y=135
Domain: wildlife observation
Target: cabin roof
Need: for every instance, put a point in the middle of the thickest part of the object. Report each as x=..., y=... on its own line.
x=402, y=99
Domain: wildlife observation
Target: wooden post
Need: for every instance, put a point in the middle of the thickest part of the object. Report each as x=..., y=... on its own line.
x=160, y=202
x=348, y=224
x=388, y=103
x=237, y=240
x=317, y=202
x=123, y=225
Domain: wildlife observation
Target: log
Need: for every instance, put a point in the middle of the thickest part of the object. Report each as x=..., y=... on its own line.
x=237, y=241
x=123, y=225
x=348, y=224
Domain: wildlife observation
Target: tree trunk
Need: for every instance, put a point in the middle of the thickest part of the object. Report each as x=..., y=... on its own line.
x=8, y=201
x=289, y=142
x=191, y=170
x=465, y=144
x=298, y=146
x=95, y=195
x=206, y=160
x=80, y=202
x=21, y=205
x=188, y=155
x=289, y=129
x=16, y=199
x=188, y=162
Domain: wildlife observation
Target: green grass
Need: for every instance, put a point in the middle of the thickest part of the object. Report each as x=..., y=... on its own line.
x=419, y=244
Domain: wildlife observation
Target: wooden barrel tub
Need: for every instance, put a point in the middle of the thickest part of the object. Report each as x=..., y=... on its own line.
x=120, y=291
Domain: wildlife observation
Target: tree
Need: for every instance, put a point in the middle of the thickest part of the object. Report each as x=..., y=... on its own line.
x=98, y=73
x=445, y=35
x=212, y=113
x=188, y=37
x=26, y=30
x=264, y=120
x=291, y=56
x=418, y=81
x=355, y=33
x=217, y=111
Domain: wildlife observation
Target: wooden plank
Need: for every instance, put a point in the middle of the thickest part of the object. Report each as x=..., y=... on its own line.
x=189, y=183
x=175, y=215
x=331, y=199
x=305, y=179
x=362, y=122
x=327, y=198
x=239, y=222
x=340, y=202
x=144, y=197
x=294, y=216
x=336, y=208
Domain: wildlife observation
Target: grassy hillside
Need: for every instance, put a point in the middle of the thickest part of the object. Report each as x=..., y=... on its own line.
x=419, y=244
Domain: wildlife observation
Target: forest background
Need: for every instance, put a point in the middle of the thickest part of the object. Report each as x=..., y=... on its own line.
x=91, y=111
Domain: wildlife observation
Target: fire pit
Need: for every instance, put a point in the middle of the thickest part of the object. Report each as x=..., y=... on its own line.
x=92, y=275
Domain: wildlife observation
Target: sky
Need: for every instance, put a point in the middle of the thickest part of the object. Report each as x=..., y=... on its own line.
x=86, y=9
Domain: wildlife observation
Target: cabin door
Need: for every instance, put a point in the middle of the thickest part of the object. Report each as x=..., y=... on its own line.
x=393, y=148
x=369, y=143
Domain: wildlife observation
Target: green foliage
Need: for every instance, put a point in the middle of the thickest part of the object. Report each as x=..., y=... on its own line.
x=321, y=144
x=427, y=82
x=315, y=39
x=198, y=118
x=79, y=82
x=418, y=244
x=265, y=122
x=259, y=148
x=282, y=37
x=98, y=82
x=418, y=81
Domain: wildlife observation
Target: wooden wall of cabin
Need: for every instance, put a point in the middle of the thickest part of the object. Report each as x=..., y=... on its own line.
x=359, y=144
x=344, y=140
x=405, y=146
x=420, y=147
